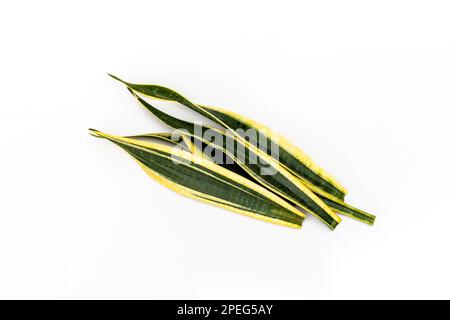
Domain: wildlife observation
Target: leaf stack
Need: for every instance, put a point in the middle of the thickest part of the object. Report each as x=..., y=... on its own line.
x=273, y=181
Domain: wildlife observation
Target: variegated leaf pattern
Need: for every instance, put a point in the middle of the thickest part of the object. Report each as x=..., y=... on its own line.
x=279, y=181
x=291, y=157
x=197, y=178
x=337, y=205
x=295, y=171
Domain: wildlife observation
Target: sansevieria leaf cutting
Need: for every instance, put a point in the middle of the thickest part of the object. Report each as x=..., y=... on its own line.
x=243, y=166
x=201, y=179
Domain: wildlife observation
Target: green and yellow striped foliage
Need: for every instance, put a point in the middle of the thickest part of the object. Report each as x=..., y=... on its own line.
x=195, y=177
x=268, y=181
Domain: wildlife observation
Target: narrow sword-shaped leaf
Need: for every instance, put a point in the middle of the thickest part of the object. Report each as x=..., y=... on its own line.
x=203, y=180
x=291, y=157
x=280, y=181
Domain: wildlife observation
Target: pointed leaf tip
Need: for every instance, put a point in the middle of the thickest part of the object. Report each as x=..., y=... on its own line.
x=117, y=78
x=94, y=133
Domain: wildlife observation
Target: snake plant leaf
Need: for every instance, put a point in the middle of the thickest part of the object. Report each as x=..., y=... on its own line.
x=291, y=157
x=279, y=181
x=203, y=180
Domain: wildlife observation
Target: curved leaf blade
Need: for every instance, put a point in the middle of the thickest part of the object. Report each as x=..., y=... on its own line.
x=203, y=180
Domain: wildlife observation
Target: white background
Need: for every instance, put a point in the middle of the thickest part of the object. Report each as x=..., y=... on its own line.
x=362, y=87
